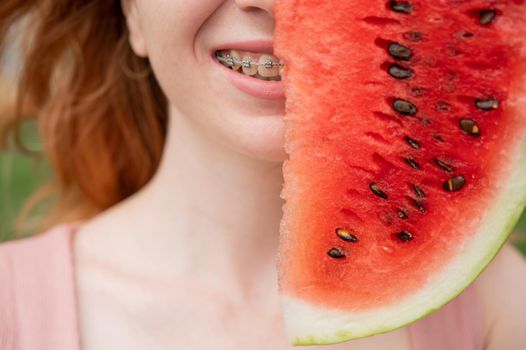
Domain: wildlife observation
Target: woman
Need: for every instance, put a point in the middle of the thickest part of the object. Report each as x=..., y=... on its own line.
x=177, y=250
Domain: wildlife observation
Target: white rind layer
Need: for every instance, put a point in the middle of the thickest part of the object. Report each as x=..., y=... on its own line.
x=309, y=324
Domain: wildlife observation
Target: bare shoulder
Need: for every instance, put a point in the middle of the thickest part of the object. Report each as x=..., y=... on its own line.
x=502, y=289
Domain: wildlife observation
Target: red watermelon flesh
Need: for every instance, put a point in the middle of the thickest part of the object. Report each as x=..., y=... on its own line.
x=406, y=132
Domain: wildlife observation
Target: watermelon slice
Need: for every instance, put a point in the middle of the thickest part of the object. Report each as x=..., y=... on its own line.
x=406, y=132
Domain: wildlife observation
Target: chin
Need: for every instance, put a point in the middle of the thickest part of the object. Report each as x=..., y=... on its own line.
x=258, y=137
x=262, y=146
x=265, y=139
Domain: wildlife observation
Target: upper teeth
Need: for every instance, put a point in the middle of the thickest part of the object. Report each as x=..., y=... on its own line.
x=267, y=65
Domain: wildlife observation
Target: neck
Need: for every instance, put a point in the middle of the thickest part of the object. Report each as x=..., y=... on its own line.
x=211, y=206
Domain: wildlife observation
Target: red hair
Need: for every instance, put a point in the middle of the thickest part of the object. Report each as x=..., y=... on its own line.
x=100, y=112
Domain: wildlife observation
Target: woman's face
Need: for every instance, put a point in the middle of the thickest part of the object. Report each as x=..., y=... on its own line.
x=180, y=37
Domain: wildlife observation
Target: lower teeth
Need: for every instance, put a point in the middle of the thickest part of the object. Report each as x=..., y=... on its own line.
x=257, y=75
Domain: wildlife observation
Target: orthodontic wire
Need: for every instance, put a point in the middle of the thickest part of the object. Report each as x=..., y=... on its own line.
x=229, y=60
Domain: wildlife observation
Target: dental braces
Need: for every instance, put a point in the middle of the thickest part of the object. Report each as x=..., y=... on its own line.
x=232, y=61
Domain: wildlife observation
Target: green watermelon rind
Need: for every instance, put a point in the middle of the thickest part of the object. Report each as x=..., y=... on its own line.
x=505, y=214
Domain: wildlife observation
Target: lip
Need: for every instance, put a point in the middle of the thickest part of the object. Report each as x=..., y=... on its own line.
x=270, y=90
x=264, y=46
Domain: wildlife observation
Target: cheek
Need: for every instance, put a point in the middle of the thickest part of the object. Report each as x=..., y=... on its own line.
x=170, y=28
x=171, y=25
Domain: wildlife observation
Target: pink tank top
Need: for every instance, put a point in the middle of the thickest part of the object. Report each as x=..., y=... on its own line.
x=38, y=301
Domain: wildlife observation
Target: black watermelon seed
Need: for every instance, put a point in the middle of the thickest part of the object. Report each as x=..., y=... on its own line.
x=402, y=214
x=468, y=35
x=400, y=72
x=487, y=105
x=412, y=142
x=443, y=165
x=470, y=127
x=454, y=184
x=377, y=191
x=336, y=253
x=401, y=6
x=412, y=163
x=404, y=236
x=346, y=235
x=419, y=192
x=400, y=52
x=404, y=107
x=419, y=205
x=413, y=36
x=487, y=16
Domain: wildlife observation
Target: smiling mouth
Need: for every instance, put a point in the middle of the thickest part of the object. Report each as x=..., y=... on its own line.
x=262, y=66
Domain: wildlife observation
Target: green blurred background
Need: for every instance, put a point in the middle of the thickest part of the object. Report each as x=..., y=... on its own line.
x=21, y=175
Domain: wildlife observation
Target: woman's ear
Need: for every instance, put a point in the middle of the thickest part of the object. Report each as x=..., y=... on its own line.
x=133, y=21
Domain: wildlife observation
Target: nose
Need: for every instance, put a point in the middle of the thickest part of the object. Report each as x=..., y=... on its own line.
x=265, y=5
